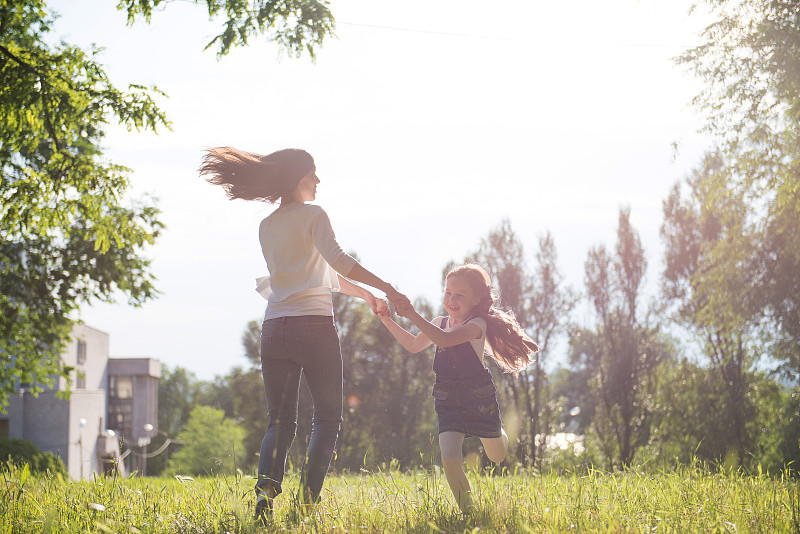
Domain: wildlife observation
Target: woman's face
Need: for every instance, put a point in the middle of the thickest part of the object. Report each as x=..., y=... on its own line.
x=459, y=299
x=306, y=189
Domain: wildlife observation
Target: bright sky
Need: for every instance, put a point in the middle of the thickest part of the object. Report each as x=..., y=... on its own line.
x=429, y=122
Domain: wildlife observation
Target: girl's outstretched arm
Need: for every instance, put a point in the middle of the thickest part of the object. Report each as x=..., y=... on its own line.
x=409, y=341
x=443, y=339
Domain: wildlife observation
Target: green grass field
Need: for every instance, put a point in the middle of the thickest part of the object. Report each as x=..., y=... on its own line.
x=685, y=500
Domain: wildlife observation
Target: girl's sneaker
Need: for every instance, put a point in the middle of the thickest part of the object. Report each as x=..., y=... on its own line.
x=263, y=510
x=264, y=498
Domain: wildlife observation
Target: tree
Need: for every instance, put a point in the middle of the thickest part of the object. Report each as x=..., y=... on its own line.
x=503, y=256
x=540, y=303
x=178, y=393
x=709, y=274
x=549, y=305
x=688, y=425
x=623, y=351
x=240, y=395
x=212, y=444
x=789, y=446
x=744, y=281
x=296, y=25
x=750, y=63
x=65, y=236
x=251, y=340
x=389, y=413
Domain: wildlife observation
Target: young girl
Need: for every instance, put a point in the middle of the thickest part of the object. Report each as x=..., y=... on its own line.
x=464, y=395
x=298, y=336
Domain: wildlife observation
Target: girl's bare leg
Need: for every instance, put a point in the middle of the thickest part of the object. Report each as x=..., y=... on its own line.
x=450, y=444
x=495, y=447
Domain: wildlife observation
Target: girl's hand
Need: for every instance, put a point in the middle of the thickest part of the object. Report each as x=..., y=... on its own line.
x=399, y=301
x=403, y=308
x=382, y=308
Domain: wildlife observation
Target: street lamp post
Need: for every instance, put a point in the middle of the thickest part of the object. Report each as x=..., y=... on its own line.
x=81, y=424
x=143, y=442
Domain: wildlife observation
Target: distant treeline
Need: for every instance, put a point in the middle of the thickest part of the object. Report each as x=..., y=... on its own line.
x=634, y=392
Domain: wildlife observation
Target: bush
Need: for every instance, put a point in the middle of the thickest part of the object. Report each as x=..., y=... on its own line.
x=211, y=444
x=22, y=451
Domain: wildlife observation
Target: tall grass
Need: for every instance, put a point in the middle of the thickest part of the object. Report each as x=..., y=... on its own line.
x=683, y=500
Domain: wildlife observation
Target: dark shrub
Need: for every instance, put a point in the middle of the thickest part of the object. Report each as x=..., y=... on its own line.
x=22, y=451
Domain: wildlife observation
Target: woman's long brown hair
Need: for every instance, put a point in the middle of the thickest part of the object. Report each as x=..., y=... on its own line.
x=511, y=346
x=252, y=176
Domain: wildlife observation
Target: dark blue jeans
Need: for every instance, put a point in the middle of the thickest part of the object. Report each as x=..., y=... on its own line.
x=291, y=346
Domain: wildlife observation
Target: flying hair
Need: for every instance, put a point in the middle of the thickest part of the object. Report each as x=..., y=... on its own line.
x=511, y=346
x=251, y=176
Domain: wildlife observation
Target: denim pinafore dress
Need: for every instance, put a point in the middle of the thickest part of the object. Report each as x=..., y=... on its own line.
x=464, y=395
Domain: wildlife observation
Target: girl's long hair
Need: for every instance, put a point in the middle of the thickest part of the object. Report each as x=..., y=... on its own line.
x=511, y=346
x=252, y=176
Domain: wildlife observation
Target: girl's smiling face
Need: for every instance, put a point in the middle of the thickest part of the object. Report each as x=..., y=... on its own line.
x=459, y=299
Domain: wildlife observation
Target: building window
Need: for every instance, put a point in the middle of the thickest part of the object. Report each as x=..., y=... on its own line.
x=120, y=387
x=4, y=429
x=81, y=351
x=120, y=405
x=80, y=381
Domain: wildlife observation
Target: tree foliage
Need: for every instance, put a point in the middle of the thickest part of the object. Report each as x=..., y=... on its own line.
x=21, y=452
x=65, y=237
x=502, y=254
x=710, y=274
x=541, y=303
x=750, y=65
x=549, y=307
x=212, y=444
x=623, y=350
x=240, y=395
x=179, y=391
x=733, y=250
x=693, y=421
x=388, y=411
x=296, y=25
x=625, y=383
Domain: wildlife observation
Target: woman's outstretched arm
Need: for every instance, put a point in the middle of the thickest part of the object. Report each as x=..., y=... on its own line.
x=360, y=274
x=349, y=288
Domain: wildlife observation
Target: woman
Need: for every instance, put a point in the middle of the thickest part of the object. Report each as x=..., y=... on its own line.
x=298, y=336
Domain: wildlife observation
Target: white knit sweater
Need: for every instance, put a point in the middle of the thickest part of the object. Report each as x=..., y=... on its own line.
x=303, y=257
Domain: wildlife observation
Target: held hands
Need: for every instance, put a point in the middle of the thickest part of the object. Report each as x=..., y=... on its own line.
x=403, y=308
x=401, y=303
x=377, y=305
x=380, y=307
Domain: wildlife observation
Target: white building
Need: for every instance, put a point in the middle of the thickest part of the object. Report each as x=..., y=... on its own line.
x=77, y=428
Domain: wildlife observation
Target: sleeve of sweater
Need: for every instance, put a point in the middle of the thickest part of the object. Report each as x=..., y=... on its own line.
x=325, y=241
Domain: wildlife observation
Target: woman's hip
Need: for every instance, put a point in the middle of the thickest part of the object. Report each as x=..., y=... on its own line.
x=309, y=340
